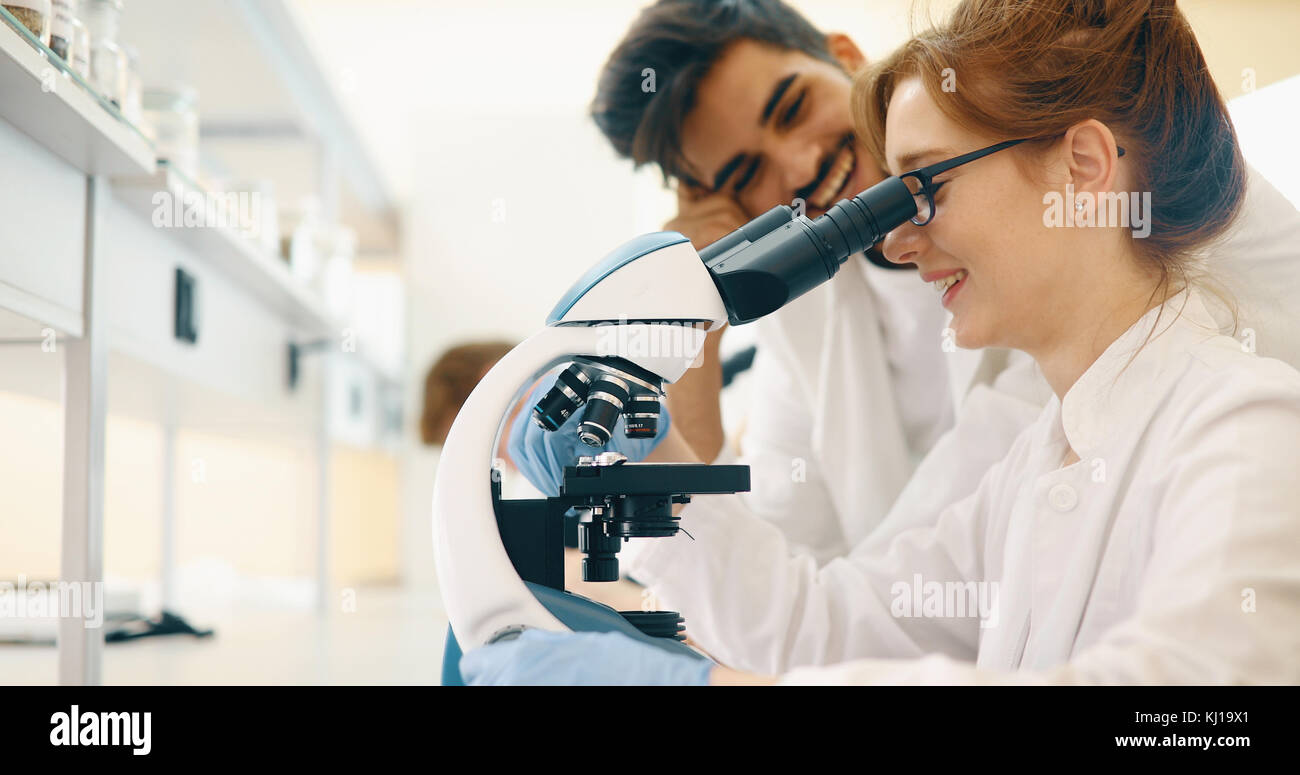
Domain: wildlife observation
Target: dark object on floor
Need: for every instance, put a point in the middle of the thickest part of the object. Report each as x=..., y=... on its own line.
x=139, y=627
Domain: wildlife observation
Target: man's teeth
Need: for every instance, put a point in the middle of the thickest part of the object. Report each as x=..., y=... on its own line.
x=839, y=172
x=944, y=283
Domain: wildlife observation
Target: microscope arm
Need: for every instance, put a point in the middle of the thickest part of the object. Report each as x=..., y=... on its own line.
x=480, y=588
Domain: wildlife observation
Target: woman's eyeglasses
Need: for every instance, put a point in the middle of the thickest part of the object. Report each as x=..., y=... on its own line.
x=921, y=181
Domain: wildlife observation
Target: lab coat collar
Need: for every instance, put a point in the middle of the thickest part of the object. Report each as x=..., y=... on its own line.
x=1113, y=393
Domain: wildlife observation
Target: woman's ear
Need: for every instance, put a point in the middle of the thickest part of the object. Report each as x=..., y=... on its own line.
x=846, y=52
x=1092, y=157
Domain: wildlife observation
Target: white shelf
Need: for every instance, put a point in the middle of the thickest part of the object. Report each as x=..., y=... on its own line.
x=268, y=105
x=34, y=308
x=66, y=119
x=272, y=25
x=264, y=275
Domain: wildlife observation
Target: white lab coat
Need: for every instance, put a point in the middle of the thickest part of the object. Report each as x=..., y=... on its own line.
x=1165, y=555
x=821, y=408
x=825, y=380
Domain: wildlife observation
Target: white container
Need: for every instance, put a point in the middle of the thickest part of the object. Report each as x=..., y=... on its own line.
x=35, y=15
x=307, y=245
x=108, y=63
x=258, y=216
x=321, y=258
x=108, y=66
x=102, y=17
x=171, y=120
x=133, y=95
x=337, y=279
x=80, y=50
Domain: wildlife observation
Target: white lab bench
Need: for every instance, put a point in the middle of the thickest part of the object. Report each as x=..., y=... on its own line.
x=81, y=259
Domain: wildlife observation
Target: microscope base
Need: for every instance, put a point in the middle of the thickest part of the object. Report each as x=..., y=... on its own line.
x=578, y=614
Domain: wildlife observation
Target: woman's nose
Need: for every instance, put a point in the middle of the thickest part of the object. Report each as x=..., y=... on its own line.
x=904, y=244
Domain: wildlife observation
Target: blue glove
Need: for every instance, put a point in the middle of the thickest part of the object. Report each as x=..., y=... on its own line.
x=541, y=455
x=545, y=658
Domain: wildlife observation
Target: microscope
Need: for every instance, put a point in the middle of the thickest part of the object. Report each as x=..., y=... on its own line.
x=634, y=322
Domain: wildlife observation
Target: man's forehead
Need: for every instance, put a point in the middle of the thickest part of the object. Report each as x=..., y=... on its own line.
x=729, y=101
x=745, y=67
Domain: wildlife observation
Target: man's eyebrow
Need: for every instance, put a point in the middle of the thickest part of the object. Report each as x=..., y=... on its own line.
x=726, y=171
x=777, y=93
x=911, y=160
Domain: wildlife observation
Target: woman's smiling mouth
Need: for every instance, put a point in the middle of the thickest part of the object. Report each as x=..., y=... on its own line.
x=946, y=282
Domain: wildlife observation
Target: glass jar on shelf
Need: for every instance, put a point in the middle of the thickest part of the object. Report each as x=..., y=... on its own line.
x=133, y=95
x=171, y=120
x=307, y=240
x=108, y=63
x=336, y=282
x=108, y=70
x=35, y=15
x=80, y=50
x=103, y=17
x=260, y=221
x=62, y=32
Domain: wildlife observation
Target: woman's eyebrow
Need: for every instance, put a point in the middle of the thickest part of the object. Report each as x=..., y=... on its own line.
x=777, y=93
x=913, y=159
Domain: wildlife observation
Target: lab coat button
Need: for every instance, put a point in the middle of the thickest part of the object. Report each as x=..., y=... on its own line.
x=1062, y=497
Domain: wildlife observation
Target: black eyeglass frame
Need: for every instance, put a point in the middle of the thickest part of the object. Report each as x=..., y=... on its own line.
x=925, y=175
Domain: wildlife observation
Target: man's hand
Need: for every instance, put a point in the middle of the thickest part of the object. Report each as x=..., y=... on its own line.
x=704, y=217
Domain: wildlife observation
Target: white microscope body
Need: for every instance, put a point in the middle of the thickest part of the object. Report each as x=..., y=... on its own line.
x=657, y=277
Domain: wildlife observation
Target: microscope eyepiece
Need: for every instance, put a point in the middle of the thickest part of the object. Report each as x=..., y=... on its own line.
x=774, y=259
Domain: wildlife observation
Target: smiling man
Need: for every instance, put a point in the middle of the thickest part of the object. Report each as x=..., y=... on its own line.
x=746, y=105
x=791, y=143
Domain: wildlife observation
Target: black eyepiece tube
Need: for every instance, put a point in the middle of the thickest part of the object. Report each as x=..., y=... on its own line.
x=784, y=259
x=750, y=232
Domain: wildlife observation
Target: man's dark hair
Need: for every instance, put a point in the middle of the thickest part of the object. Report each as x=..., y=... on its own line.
x=679, y=40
